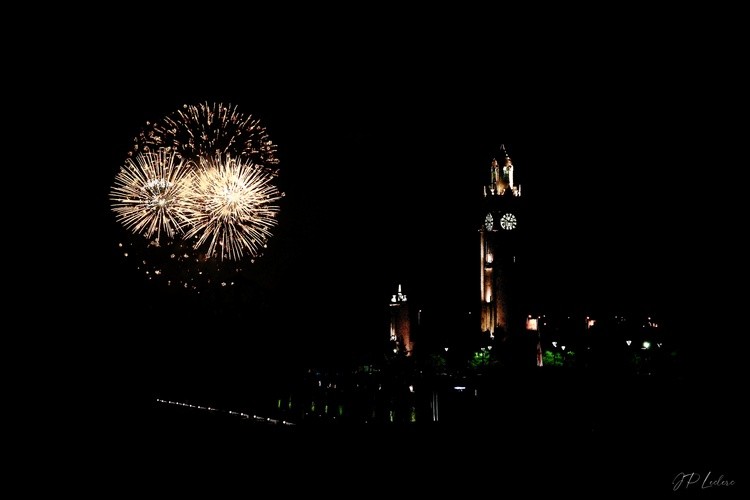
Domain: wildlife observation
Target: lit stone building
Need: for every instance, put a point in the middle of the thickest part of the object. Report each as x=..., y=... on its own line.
x=400, y=324
x=499, y=239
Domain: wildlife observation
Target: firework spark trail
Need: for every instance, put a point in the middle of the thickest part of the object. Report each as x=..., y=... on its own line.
x=233, y=207
x=151, y=195
x=204, y=130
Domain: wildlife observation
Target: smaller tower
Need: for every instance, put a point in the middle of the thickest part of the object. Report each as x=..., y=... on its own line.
x=400, y=324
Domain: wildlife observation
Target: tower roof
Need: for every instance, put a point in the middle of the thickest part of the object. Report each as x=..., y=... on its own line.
x=505, y=151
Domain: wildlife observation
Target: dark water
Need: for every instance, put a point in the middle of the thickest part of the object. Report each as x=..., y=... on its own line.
x=569, y=434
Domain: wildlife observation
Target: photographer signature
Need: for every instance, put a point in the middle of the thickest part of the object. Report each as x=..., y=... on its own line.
x=686, y=480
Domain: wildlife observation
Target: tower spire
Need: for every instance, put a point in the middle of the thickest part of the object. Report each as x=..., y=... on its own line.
x=502, y=177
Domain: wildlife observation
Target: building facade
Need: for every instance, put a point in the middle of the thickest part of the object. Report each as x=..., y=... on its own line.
x=400, y=324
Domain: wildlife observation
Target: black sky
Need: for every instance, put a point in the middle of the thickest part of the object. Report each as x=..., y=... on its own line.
x=384, y=145
x=383, y=177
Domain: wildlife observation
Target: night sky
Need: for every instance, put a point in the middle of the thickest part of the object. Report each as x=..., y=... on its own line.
x=385, y=188
x=383, y=153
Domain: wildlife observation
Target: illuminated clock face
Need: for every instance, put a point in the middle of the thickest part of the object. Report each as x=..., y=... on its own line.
x=489, y=222
x=508, y=221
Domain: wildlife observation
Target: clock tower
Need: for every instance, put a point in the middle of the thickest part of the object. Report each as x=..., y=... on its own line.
x=499, y=238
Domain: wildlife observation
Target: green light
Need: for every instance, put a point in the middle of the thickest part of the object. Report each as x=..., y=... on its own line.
x=552, y=358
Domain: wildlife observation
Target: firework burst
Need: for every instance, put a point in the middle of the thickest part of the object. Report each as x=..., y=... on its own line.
x=234, y=207
x=204, y=130
x=198, y=185
x=151, y=195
